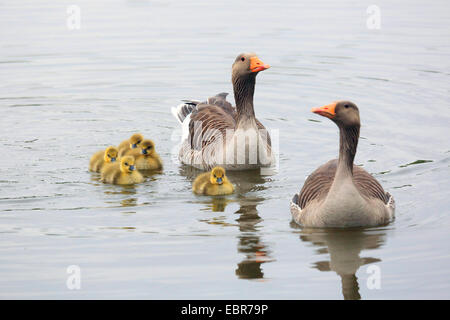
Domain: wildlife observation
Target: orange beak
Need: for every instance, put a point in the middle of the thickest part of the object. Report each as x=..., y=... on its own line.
x=257, y=65
x=326, y=111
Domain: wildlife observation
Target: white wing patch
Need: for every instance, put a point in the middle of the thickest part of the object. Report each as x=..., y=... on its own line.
x=185, y=128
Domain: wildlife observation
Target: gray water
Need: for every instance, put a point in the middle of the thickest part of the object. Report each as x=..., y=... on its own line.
x=65, y=94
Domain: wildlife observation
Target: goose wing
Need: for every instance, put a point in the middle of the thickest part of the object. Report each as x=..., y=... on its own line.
x=220, y=100
x=183, y=110
x=319, y=183
x=209, y=123
x=368, y=186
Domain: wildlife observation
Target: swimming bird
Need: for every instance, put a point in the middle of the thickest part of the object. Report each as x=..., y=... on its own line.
x=121, y=173
x=214, y=130
x=213, y=183
x=339, y=193
x=132, y=143
x=146, y=157
x=99, y=158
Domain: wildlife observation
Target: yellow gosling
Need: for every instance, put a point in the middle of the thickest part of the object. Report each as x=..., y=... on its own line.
x=132, y=143
x=100, y=158
x=122, y=173
x=146, y=157
x=213, y=183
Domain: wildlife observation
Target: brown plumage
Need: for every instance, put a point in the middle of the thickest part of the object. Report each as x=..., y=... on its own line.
x=338, y=193
x=205, y=124
x=318, y=184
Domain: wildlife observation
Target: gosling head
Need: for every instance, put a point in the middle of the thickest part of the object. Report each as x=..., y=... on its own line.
x=135, y=140
x=247, y=65
x=343, y=113
x=111, y=154
x=147, y=147
x=127, y=164
x=217, y=175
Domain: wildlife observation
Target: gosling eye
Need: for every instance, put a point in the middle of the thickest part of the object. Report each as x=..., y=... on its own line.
x=215, y=176
x=346, y=106
x=138, y=142
x=243, y=59
x=126, y=163
x=149, y=147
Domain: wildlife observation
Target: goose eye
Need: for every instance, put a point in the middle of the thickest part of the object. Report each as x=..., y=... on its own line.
x=242, y=59
x=346, y=106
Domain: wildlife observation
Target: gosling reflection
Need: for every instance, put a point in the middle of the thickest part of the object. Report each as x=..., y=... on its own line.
x=249, y=242
x=131, y=202
x=127, y=194
x=344, y=247
x=219, y=204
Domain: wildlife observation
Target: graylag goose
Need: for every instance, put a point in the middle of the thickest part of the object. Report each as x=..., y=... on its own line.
x=217, y=134
x=338, y=193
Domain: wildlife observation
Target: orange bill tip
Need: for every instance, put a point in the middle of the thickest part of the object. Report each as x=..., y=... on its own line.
x=257, y=65
x=326, y=111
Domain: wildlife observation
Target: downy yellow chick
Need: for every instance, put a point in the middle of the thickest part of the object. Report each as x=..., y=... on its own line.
x=146, y=156
x=132, y=143
x=100, y=158
x=122, y=173
x=213, y=183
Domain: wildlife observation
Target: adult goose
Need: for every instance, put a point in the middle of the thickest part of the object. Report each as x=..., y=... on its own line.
x=338, y=193
x=217, y=134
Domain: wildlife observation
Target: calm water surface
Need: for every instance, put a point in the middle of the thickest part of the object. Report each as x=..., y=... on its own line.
x=65, y=94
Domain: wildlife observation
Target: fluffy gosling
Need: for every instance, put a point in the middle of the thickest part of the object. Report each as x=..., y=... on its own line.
x=213, y=183
x=122, y=173
x=146, y=157
x=132, y=143
x=100, y=158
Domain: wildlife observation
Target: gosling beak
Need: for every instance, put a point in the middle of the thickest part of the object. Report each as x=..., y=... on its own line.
x=326, y=111
x=144, y=151
x=133, y=145
x=131, y=168
x=113, y=159
x=219, y=180
x=257, y=65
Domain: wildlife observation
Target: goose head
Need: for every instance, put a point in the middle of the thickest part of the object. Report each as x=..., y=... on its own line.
x=217, y=175
x=111, y=154
x=127, y=164
x=135, y=140
x=147, y=147
x=247, y=65
x=343, y=113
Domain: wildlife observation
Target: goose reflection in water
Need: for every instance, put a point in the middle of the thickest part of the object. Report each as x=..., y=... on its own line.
x=249, y=241
x=344, y=248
